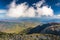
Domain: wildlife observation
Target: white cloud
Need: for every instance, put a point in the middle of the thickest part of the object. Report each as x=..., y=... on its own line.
x=44, y=10
x=38, y=4
x=17, y=11
x=47, y=11
x=2, y=11
x=30, y=12
x=23, y=10
x=57, y=4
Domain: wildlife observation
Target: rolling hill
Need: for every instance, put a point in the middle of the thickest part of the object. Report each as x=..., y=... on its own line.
x=15, y=27
x=49, y=28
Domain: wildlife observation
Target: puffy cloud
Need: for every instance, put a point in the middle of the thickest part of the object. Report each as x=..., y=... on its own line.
x=16, y=10
x=30, y=12
x=47, y=11
x=23, y=10
x=20, y=10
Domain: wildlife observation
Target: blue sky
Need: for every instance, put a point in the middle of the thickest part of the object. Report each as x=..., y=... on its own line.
x=32, y=6
x=52, y=3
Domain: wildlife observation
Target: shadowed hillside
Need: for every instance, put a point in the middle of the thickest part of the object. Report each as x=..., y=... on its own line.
x=50, y=28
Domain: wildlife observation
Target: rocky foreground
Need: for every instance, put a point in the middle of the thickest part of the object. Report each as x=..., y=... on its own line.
x=9, y=36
